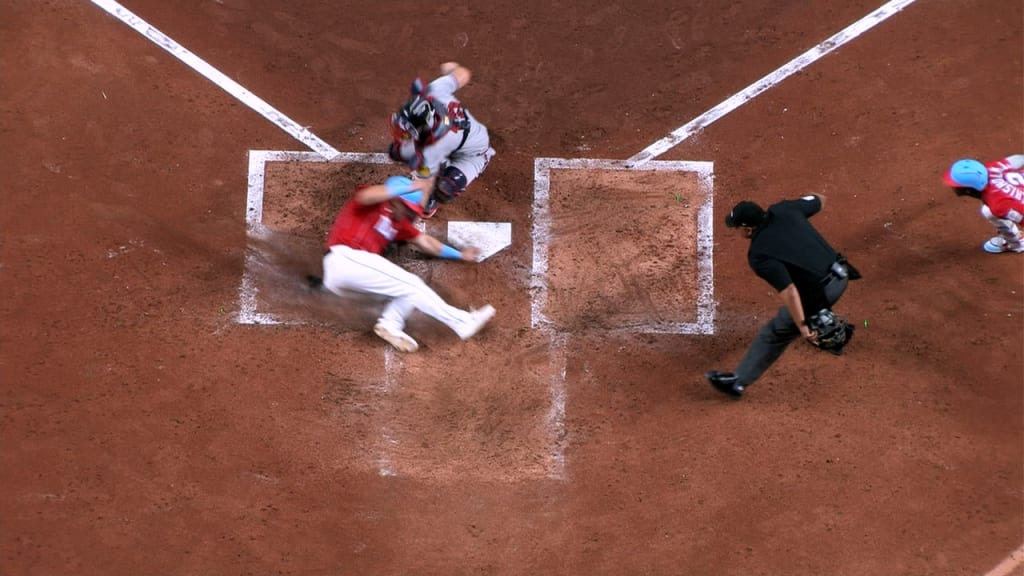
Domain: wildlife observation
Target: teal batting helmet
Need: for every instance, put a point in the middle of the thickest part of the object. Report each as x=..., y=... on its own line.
x=412, y=200
x=398, y=186
x=967, y=173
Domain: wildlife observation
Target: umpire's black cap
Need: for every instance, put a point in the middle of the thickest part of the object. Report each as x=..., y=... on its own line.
x=746, y=213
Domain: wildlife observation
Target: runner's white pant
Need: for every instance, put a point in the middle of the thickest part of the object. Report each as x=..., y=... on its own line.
x=346, y=268
x=1008, y=229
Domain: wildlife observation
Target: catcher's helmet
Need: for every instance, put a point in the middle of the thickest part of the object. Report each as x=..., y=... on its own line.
x=422, y=119
x=419, y=112
x=967, y=173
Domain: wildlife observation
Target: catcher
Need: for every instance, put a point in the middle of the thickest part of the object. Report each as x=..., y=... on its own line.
x=444, y=145
x=788, y=253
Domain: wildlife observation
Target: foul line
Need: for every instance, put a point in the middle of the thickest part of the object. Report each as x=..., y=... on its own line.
x=1011, y=563
x=787, y=70
x=293, y=128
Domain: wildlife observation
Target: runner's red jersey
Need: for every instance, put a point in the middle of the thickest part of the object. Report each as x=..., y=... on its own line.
x=369, y=227
x=1004, y=194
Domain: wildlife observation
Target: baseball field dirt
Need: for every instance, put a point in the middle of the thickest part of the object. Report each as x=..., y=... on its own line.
x=176, y=398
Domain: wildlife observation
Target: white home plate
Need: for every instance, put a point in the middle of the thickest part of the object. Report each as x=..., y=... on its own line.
x=489, y=237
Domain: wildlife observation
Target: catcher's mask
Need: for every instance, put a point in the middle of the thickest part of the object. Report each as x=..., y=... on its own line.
x=966, y=173
x=420, y=119
x=834, y=332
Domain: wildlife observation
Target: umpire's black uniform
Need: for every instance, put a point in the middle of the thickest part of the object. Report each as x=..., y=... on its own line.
x=785, y=249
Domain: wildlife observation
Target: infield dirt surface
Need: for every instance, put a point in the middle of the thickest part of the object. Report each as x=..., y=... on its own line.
x=147, y=429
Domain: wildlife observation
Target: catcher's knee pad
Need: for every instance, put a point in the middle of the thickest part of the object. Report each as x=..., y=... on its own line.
x=450, y=184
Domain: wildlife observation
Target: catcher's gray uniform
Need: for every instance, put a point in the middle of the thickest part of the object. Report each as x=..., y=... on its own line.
x=467, y=146
x=454, y=146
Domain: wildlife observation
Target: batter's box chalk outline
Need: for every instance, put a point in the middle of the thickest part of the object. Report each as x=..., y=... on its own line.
x=248, y=292
x=705, y=303
x=489, y=237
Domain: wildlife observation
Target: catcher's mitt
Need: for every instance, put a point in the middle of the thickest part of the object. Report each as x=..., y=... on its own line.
x=834, y=332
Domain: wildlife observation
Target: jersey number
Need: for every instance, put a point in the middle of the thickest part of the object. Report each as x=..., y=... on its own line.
x=385, y=228
x=1015, y=178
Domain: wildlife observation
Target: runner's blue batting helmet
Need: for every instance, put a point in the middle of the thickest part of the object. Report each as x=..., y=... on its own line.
x=967, y=173
x=397, y=186
x=412, y=200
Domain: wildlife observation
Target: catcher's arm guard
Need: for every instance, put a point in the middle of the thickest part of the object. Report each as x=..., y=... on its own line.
x=833, y=331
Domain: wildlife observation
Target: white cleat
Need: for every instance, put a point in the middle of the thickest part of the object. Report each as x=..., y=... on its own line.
x=396, y=338
x=477, y=320
x=998, y=245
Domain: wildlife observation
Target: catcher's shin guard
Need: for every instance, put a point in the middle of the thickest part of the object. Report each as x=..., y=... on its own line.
x=450, y=184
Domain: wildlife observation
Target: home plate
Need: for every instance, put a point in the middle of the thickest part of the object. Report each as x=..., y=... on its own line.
x=489, y=237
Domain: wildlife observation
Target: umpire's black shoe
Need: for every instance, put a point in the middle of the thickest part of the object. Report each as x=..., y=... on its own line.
x=725, y=382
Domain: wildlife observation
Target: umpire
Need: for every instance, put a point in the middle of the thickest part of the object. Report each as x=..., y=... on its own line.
x=788, y=253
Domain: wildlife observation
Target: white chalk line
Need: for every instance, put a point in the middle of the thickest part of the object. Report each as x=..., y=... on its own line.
x=294, y=129
x=1008, y=565
x=248, y=290
x=1016, y=558
x=557, y=390
x=382, y=458
x=384, y=461
x=541, y=236
x=793, y=66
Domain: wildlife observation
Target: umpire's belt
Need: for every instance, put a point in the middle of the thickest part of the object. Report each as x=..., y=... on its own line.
x=836, y=272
